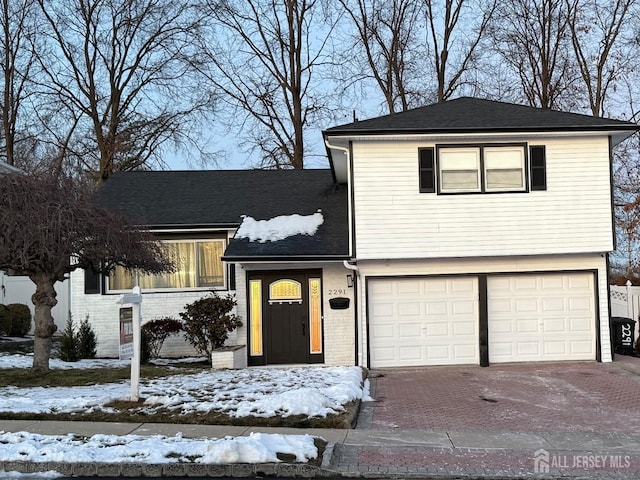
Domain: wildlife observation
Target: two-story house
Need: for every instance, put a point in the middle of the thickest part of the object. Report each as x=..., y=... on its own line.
x=466, y=232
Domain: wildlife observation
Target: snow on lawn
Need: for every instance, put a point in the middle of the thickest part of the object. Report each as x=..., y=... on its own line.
x=25, y=361
x=255, y=448
x=264, y=392
x=261, y=392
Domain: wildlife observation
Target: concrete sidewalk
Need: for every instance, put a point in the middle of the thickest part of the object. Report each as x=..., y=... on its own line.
x=375, y=453
x=486, y=454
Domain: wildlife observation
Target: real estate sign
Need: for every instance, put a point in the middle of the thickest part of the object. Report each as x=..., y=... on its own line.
x=126, y=333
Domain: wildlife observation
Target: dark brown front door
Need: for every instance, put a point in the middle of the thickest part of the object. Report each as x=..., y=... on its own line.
x=287, y=335
x=287, y=329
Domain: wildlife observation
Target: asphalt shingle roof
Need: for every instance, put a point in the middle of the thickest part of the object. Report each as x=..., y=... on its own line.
x=219, y=198
x=467, y=115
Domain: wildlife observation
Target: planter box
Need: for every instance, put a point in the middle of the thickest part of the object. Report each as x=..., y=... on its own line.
x=232, y=356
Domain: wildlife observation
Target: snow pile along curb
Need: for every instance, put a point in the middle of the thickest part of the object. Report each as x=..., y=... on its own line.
x=160, y=456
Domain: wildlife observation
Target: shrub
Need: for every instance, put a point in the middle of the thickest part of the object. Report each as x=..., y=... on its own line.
x=87, y=341
x=5, y=320
x=145, y=347
x=208, y=321
x=156, y=331
x=20, y=319
x=77, y=343
x=69, y=343
x=15, y=320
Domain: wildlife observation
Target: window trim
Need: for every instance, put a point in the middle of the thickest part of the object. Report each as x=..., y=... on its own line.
x=482, y=169
x=194, y=242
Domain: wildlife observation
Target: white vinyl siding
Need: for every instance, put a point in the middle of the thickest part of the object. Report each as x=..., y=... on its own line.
x=394, y=220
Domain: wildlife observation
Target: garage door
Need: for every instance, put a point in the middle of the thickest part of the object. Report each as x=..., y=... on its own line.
x=541, y=317
x=423, y=321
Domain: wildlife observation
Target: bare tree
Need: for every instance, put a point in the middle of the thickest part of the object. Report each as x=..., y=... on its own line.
x=16, y=48
x=455, y=41
x=596, y=27
x=118, y=73
x=533, y=38
x=606, y=60
x=626, y=170
x=48, y=228
x=625, y=261
x=263, y=59
x=386, y=32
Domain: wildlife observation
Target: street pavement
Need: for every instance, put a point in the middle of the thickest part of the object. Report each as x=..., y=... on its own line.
x=560, y=420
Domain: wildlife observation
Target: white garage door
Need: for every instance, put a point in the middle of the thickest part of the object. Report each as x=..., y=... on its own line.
x=423, y=321
x=541, y=317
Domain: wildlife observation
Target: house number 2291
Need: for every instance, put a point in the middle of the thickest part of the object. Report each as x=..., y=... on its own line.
x=337, y=291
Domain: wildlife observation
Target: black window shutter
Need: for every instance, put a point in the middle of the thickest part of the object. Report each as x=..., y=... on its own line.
x=427, y=170
x=538, y=167
x=232, y=276
x=91, y=281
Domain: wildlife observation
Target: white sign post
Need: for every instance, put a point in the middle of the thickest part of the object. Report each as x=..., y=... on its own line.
x=134, y=299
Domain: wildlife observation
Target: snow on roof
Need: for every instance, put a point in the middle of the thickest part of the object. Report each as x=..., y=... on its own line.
x=279, y=228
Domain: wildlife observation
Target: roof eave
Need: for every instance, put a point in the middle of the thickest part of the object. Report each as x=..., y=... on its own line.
x=190, y=226
x=443, y=131
x=280, y=258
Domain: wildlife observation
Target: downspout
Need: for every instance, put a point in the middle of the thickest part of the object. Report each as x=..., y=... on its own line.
x=349, y=186
x=356, y=285
x=351, y=265
x=3, y=290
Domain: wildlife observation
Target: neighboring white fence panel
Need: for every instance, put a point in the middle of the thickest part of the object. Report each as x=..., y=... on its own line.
x=625, y=302
x=20, y=289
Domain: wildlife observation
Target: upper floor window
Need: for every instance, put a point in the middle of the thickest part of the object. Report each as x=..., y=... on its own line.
x=481, y=168
x=459, y=169
x=504, y=168
x=198, y=265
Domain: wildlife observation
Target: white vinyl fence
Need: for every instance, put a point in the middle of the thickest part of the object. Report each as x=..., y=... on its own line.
x=20, y=289
x=625, y=302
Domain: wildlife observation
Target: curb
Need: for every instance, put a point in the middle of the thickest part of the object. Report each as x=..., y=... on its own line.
x=239, y=470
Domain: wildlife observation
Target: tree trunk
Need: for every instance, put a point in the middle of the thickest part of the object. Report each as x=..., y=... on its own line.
x=44, y=300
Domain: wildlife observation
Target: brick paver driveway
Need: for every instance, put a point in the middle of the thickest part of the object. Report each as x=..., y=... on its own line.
x=541, y=397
